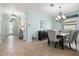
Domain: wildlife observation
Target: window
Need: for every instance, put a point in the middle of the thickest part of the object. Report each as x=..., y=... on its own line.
x=73, y=27
x=70, y=24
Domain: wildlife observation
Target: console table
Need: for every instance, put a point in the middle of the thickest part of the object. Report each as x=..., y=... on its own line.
x=42, y=35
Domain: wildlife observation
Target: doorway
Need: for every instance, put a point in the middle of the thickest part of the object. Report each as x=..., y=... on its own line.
x=13, y=26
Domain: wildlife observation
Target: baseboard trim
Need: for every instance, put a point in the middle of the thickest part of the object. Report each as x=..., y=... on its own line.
x=0, y=41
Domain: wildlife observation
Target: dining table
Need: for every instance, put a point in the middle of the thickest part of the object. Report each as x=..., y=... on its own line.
x=61, y=38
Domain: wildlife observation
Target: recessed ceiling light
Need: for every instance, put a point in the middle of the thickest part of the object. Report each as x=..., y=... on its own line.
x=60, y=7
x=51, y=5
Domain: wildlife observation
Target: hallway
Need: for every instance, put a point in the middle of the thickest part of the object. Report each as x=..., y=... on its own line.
x=15, y=47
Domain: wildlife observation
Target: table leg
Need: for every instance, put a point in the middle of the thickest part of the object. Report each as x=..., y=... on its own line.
x=62, y=43
x=48, y=42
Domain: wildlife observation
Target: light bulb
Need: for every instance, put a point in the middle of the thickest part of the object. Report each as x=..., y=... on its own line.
x=63, y=17
x=59, y=17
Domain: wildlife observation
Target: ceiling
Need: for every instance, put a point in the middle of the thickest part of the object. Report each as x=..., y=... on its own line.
x=40, y=7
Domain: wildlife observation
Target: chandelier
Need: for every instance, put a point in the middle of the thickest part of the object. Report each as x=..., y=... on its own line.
x=12, y=18
x=60, y=18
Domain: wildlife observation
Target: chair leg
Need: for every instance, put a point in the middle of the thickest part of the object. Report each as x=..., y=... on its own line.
x=69, y=45
x=55, y=44
x=75, y=42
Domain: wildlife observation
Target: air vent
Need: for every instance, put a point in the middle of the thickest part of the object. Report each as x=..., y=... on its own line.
x=51, y=5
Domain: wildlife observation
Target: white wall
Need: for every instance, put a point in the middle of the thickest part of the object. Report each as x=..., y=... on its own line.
x=33, y=19
x=0, y=29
